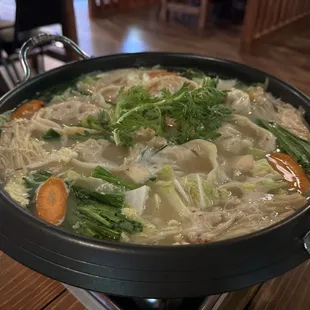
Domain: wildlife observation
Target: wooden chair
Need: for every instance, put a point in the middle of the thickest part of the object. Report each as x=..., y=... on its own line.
x=4, y=87
x=264, y=18
x=30, y=16
x=33, y=14
x=186, y=7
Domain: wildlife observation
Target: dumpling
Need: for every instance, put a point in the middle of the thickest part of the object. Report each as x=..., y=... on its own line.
x=232, y=140
x=191, y=157
x=196, y=156
x=240, y=133
x=65, y=113
x=265, y=106
x=239, y=101
x=171, y=82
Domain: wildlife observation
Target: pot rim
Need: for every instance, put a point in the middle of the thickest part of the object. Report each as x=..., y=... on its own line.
x=120, y=246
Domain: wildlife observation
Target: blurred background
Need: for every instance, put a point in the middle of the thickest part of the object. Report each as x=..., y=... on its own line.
x=267, y=34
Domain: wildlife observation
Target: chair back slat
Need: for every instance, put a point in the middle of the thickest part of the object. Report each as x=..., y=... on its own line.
x=276, y=13
x=265, y=17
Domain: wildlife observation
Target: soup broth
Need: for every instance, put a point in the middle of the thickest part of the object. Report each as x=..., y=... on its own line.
x=156, y=157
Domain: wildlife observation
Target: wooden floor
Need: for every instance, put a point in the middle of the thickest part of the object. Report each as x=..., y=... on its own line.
x=287, y=58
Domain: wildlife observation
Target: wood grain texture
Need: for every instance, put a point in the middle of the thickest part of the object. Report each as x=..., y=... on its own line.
x=262, y=13
x=240, y=299
x=65, y=302
x=290, y=291
x=22, y=288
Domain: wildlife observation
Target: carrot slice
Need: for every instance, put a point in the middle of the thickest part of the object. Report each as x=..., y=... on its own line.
x=27, y=109
x=51, y=201
x=156, y=73
x=290, y=170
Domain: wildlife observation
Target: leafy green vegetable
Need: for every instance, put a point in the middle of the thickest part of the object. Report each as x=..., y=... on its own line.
x=198, y=113
x=263, y=184
x=101, y=173
x=165, y=173
x=257, y=153
x=58, y=89
x=34, y=181
x=113, y=199
x=100, y=214
x=193, y=74
x=51, y=134
x=87, y=83
x=100, y=122
x=262, y=168
x=41, y=176
x=137, y=198
x=200, y=192
x=104, y=222
x=296, y=147
x=168, y=193
x=17, y=190
x=97, y=122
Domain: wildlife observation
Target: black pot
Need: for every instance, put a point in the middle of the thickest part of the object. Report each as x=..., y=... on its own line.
x=152, y=271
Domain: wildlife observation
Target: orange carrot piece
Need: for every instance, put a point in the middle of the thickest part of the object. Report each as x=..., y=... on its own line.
x=27, y=109
x=156, y=73
x=51, y=201
x=290, y=170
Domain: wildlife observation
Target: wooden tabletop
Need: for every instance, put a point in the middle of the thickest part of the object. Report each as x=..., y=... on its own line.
x=22, y=288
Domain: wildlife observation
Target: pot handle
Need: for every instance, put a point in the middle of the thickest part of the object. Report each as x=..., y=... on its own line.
x=306, y=241
x=44, y=38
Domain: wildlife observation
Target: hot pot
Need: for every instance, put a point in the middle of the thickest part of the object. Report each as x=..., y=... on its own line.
x=150, y=271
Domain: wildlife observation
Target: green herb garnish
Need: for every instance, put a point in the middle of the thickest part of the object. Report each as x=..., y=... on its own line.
x=97, y=122
x=197, y=113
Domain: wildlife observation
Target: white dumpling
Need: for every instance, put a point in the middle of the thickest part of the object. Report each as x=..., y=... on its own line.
x=92, y=150
x=196, y=156
x=240, y=133
x=239, y=101
x=232, y=140
x=65, y=113
x=193, y=156
x=170, y=82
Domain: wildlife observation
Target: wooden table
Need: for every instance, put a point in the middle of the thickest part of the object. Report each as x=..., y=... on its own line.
x=22, y=288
